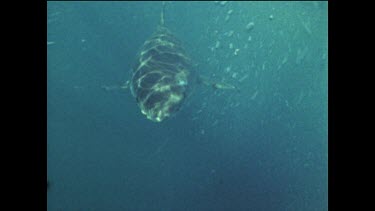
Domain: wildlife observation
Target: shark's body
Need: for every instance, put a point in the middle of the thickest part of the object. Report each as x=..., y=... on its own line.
x=161, y=75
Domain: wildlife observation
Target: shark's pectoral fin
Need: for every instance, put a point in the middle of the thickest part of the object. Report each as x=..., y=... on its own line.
x=216, y=84
x=116, y=87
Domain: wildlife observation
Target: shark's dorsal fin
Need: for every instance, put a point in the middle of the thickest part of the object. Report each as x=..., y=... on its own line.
x=162, y=14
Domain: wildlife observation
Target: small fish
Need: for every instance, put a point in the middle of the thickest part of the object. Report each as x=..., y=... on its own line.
x=236, y=51
x=250, y=26
x=243, y=78
x=223, y=3
x=254, y=95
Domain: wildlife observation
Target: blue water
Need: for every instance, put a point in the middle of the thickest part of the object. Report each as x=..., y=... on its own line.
x=263, y=148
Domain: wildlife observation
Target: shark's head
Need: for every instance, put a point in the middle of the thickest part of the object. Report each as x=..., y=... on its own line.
x=160, y=94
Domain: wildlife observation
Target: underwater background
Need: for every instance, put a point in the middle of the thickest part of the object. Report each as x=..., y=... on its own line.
x=263, y=148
